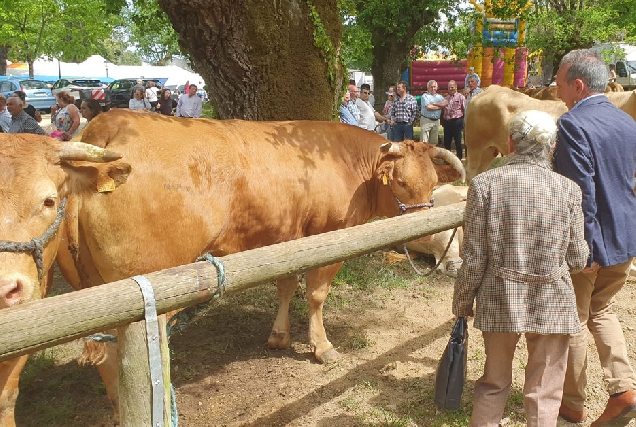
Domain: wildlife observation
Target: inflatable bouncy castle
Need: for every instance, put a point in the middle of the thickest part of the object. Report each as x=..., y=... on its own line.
x=501, y=56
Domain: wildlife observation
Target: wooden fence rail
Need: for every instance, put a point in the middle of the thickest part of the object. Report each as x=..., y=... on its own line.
x=56, y=320
x=63, y=318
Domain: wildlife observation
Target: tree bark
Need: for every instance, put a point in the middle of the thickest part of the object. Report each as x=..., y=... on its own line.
x=259, y=59
x=4, y=52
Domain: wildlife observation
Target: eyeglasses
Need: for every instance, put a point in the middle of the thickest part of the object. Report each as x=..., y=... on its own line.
x=364, y=92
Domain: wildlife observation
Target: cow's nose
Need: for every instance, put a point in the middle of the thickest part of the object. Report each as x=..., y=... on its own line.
x=11, y=292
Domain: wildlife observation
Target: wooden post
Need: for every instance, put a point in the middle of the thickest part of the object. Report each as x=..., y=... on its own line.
x=135, y=390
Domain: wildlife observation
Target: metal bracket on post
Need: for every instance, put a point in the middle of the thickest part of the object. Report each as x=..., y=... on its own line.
x=154, y=349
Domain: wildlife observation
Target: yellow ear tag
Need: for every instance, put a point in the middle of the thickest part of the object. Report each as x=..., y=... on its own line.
x=385, y=180
x=105, y=184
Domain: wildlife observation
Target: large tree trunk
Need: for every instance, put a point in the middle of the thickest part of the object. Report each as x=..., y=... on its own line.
x=4, y=52
x=389, y=61
x=258, y=58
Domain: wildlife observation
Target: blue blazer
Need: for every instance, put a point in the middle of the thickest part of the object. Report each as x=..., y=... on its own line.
x=596, y=148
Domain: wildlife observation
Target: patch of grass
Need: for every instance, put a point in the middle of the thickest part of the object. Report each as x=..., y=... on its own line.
x=38, y=363
x=358, y=342
x=368, y=273
x=349, y=404
x=208, y=111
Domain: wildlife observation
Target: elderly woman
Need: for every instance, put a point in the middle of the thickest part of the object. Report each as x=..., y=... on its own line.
x=139, y=102
x=65, y=115
x=523, y=234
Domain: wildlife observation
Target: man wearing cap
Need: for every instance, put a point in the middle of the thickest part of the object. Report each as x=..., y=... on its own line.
x=432, y=105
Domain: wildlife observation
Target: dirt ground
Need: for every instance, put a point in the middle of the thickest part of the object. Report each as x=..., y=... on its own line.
x=389, y=325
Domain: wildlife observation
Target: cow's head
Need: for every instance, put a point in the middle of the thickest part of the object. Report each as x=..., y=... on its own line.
x=407, y=170
x=37, y=177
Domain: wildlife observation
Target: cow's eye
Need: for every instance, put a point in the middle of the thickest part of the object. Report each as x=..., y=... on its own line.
x=401, y=182
x=49, y=202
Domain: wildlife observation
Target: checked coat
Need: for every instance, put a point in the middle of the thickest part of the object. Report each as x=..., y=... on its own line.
x=523, y=234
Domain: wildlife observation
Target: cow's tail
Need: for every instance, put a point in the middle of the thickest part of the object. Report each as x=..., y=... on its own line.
x=452, y=160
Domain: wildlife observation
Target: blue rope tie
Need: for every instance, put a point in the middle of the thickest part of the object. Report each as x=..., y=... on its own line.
x=107, y=338
x=183, y=318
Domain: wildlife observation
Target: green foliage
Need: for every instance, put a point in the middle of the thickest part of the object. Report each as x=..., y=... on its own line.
x=66, y=29
x=151, y=32
x=356, y=46
x=323, y=42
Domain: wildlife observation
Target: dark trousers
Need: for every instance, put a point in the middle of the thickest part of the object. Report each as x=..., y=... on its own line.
x=401, y=131
x=453, y=130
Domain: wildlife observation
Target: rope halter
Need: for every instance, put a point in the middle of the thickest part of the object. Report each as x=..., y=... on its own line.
x=403, y=208
x=35, y=246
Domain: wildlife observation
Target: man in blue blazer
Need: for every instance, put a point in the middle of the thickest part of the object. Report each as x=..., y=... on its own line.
x=596, y=148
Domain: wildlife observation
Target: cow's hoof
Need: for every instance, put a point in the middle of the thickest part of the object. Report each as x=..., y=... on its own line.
x=328, y=356
x=278, y=340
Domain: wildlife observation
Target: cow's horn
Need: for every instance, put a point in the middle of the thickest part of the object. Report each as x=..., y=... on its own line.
x=390, y=147
x=76, y=150
x=452, y=160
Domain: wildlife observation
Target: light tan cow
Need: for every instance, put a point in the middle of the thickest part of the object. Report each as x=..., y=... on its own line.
x=435, y=244
x=486, y=121
x=190, y=186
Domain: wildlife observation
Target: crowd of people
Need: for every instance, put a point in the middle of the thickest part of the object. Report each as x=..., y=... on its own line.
x=401, y=112
x=549, y=239
x=17, y=116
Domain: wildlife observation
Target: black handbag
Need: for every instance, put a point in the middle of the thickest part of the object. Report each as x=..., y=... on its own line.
x=451, y=372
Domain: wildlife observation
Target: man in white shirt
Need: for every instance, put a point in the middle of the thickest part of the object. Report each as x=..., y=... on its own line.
x=5, y=116
x=368, y=115
x=190, y=105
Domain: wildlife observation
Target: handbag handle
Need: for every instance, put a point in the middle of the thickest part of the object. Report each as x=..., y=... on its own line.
x=460, y=328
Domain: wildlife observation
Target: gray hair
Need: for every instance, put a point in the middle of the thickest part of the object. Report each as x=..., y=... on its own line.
x=587, y=65
x=533, y=134
x=431, y=83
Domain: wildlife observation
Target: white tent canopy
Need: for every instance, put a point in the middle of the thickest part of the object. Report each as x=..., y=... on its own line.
x=97, y=67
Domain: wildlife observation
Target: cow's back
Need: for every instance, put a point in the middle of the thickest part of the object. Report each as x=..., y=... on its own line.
x=487, y=123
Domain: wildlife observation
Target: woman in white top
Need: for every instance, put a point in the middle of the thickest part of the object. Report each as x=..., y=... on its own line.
x=65, y=115
x=139, y=102
x=151, y=94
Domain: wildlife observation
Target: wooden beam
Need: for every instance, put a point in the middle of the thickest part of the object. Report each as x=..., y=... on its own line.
x=44, y=323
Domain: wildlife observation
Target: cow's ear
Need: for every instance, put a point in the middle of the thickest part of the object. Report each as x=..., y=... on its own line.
x=385, y=171
x=100, y=178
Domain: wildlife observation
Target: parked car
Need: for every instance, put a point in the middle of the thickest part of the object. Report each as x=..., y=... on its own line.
x=122, y=91
x=84, y=88
x=37, y=92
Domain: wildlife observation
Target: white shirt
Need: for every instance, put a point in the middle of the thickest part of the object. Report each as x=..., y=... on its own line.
x=151, y=94
x=189, y=106
x=5, y=120
x=367, y=114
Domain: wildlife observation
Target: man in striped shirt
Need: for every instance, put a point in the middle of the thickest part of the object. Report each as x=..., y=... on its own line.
x=21, y=122
x=403, y=114
x=453, y=122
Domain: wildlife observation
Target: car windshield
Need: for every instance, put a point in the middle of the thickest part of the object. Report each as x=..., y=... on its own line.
x=86, y=83
x=33, y=84
x=631, y=66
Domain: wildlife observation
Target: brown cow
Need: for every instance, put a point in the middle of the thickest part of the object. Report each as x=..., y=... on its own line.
x=197, y=186
x=488, y=115
x=33, y=186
